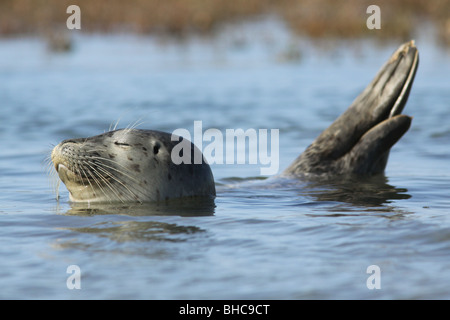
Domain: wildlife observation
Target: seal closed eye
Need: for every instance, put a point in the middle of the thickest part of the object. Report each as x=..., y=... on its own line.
x=131, y=165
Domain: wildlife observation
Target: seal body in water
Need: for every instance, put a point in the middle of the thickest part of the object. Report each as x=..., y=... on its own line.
x=131, y=165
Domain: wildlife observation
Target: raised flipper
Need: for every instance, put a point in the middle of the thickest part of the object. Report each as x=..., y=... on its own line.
x=358, y=142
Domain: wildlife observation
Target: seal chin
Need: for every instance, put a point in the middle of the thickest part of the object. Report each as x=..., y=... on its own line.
x=75, y=184
x=61, y=169
x=64, y=173
x=80, y=187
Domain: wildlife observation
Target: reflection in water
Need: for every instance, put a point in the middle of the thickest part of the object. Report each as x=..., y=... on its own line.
x=126, y=231
x=138, y=227
x=359, y=191
x=356, y=196
x=152, y=239
x=340, y=196
x=333, y=195
x=131, y=224
x=370, y=191
x=186, y=207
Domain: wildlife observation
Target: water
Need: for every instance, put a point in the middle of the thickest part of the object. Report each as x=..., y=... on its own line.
x=258, y=240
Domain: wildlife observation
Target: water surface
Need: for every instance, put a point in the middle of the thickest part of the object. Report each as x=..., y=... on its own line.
x=259, y=239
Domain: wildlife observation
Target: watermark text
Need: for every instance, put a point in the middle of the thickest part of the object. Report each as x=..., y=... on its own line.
x=374, y=280
x=374, y=20
x=74, y=20
x=74, y=280
x=236, y=147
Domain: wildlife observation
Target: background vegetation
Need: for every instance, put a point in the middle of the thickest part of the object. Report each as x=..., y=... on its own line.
x=315, y=18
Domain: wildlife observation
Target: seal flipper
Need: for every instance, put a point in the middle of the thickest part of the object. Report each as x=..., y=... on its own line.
x=382, y=100
x=371, y=152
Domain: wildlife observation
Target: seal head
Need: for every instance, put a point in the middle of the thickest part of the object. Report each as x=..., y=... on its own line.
x=129, y=165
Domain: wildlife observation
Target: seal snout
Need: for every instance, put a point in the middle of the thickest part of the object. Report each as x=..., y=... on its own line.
x=56, y=157
x=62, y=155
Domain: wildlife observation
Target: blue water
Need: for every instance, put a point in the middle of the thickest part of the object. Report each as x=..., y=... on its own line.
x=259, y=240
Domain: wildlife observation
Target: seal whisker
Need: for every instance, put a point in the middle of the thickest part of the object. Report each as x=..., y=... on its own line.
x=111, y=128
x=115, y=169
x=135, y=124
x=103, y=179
x=79, y=172
x=82, y=145
x=105, y=169
x=52, y=176
x=131, y=195
x=100, y=166
x=131, y=127
x=92, y=176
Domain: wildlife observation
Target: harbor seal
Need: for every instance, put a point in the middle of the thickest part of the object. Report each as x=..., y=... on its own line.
x=131, y=165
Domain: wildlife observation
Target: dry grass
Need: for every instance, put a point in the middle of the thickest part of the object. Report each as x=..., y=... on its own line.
x=315, y=18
